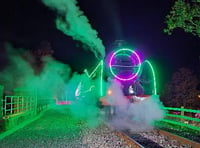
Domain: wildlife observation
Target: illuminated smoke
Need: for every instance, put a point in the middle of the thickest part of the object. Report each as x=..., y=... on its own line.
x=138, y=116
x=72, y=21
x=52, y=83
x=20, y=74
x=84, y=103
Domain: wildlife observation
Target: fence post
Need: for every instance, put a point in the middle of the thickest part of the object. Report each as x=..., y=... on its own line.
x=1, y=102
x=182, y=113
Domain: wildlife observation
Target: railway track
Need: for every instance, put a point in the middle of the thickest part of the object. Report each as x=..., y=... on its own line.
x=129, y=141
x=156, y=138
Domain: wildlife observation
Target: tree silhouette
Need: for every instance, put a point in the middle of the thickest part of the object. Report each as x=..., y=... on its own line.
x=182, y=90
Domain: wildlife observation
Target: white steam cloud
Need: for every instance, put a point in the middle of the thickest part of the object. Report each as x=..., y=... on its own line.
x=134, y=116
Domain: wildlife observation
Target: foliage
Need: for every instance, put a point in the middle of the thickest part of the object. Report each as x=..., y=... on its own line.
x=182, y=90
x=186, y=15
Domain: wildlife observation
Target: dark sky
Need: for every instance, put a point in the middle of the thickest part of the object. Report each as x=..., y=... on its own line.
x=25, y=23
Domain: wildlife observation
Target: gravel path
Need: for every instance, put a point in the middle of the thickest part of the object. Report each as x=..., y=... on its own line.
x=57, y=129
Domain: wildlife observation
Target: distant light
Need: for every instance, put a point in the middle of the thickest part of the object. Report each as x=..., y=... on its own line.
x=109, y=92
x=198, y=96
x=62, y=102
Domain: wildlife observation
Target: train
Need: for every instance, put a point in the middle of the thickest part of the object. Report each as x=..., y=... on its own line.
x=135, y=74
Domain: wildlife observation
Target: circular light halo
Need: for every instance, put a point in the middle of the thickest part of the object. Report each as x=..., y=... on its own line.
x=132, y=76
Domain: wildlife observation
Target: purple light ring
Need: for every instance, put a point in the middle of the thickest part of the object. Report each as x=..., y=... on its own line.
x=131, y=77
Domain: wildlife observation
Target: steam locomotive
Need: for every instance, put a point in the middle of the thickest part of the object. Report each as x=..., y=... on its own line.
x=134, y=73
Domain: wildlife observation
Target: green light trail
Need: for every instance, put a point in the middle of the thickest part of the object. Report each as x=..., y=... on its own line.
x=182, y=109
x=183, y=117
x=100, y=65
x=181, y=124
x=122, y=54
x=154, y=77
x=89, y=75
x=117, y=53
x=101, y=80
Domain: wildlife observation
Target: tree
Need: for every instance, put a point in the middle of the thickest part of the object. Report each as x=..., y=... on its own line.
x=166, y=96
x=182, y=90
x=184, y=14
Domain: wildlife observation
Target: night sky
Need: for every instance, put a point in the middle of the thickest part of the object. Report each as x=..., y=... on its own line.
x=26, y=23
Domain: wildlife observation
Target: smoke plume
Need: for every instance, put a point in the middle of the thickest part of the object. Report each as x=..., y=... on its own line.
x=20, y=74
x=72, y=21
x=134, y=116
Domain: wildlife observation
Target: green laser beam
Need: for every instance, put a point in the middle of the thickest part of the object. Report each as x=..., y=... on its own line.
x=154, y=77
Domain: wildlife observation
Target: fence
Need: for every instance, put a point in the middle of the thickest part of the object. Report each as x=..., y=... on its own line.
x=20, y=107
x=182, y=117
